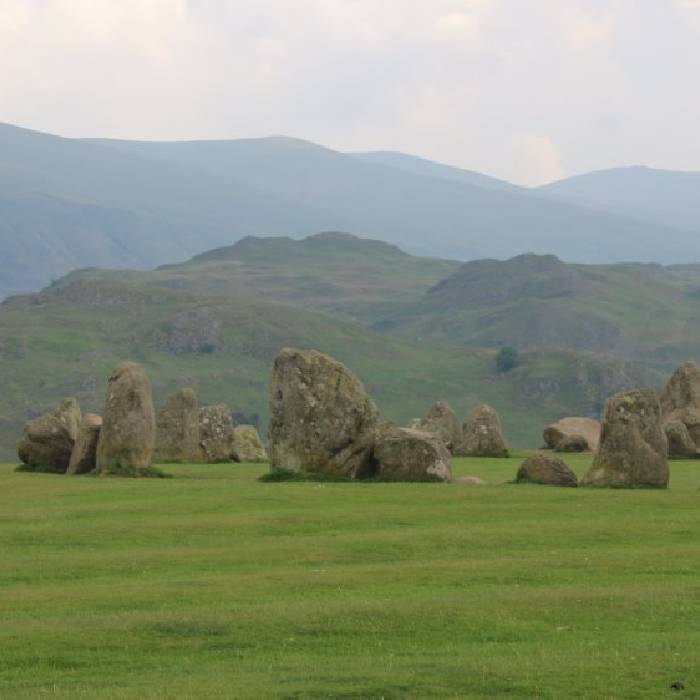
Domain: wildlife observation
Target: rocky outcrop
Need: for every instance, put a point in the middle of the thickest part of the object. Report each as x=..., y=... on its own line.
x=680, y=400
x=322, y=420
x=680, y=444
x=441, y=421
x=572, y=443
x=128, y=430
x=544, y=468
x=177, y=429
x=588, y=428
x=83, y=459
x=633, y=446
x=247, y=445
x=482, y=434
x=215, y=434
x=46, y=444
x=401, y=454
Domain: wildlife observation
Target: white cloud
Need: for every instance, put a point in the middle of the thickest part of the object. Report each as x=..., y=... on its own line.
x=541, y=158
x=585, y=31
x=458, y=24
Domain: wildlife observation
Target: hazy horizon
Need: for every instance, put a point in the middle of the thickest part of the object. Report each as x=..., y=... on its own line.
x=529, y=94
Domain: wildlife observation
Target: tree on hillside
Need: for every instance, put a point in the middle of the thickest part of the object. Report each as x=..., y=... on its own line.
x=507, y=359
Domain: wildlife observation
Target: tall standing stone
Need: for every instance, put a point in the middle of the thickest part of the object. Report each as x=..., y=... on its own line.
x=322, y=419
x=177, y=428
x=83, y=459
x=442, y=421
x=482, y=434
x=128, y=430
x=215, y=434
x=633, y=446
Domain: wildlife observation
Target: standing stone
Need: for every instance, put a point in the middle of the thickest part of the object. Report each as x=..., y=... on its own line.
x=247, y=445
x=322, y=419
x=68, y=412
x=83, y=459
x=46, y=444
x=215, y=434
x=544, y=468
x=128, y=430
x=442, y=421
x=633, y=446
x=588, y=428
x=680, y=444
x=177, y=429
x=680, y=399
x=401, y=454
x=482, y=434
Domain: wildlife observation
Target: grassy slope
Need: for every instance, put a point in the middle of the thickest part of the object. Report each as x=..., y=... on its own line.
x=215, y=585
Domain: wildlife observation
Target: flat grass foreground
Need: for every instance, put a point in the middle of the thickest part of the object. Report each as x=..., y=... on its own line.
x=213, y=584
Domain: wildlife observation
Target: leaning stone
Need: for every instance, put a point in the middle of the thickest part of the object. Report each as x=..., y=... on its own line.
x=128, y=430
x=544, y=468
x=68, y=412
x=177, y=429
x=46, y=444
x=83, y=459
x=401, y=454
x=482, y=434
x=680, y=444
x=633, y=446
x=321, y=418
x=215, y=434
x=247, y=445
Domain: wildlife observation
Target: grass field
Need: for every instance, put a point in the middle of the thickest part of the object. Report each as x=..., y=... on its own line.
x=213, y=584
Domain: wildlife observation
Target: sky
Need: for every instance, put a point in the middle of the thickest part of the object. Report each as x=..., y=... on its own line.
x=527, y=90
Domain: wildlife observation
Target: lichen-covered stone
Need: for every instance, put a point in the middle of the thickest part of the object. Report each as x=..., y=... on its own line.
x=588, y=428
x=680, y=444
x=215, y=434
x=680, y=400
x=442, y=421
x=402, y=454
x=633, y=446
x=46, y=444
x=247, y=445
x=321, y=418
x=177, y=429
x=127, y=437
x=482, y=434
x=544, y=468
x=83, y=459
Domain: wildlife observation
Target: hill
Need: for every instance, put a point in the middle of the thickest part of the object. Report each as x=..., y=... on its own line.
x=70, y=203
x=669, y=198
x=217, y=321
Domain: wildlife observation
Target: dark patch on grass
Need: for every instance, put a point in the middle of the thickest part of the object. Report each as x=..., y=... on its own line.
x=280, y=475
x=38, y=469
x=142, y=473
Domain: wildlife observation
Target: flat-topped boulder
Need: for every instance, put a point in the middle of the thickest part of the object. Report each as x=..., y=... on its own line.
x=83, y=459
x=680, y=400
x=128, y=433
x=482, y=434
x=545, y=468
x=587, y=428
x=215, y=434
x=633, y=446
x=321, y=418
x=441, y=421
x=177, y=428
x=46, y=444
x=247, y=445
x=402, y=454
x=572, y=443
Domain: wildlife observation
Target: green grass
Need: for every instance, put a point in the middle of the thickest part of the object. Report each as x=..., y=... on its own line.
x=213, y=584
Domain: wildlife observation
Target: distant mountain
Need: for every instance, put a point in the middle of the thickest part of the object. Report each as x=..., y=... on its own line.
x=67, y=203
x=667, y=197
x=430, y=168
x=215, y=322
